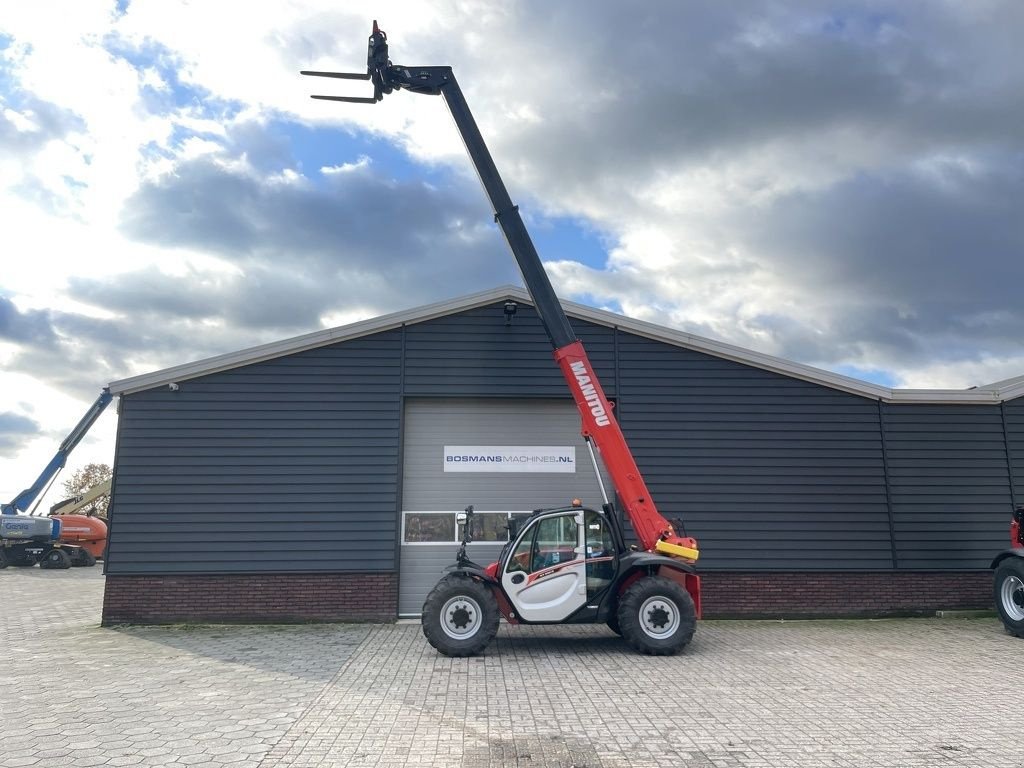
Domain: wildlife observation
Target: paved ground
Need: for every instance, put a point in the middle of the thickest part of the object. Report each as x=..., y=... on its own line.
x=888, y=693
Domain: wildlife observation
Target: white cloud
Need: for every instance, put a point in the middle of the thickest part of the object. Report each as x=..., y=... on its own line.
x=829, y=183
x=359, y=165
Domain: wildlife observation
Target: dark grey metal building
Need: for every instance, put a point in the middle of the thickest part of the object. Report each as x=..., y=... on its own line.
x=305, y=480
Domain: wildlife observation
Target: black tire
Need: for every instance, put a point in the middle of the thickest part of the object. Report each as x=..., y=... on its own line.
x=55, y=559
x=83, y=559
x=1008, y=589
x=657, y=616
x=3, y=559
x=460, y=616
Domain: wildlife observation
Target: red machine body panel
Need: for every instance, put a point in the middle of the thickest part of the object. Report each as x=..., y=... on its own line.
x=600, y=424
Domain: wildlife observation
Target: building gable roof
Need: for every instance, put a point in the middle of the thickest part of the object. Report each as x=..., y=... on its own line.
x=988, y=394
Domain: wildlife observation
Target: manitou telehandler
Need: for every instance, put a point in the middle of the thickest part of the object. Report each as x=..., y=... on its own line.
x=570, y=564
x=1009, y=578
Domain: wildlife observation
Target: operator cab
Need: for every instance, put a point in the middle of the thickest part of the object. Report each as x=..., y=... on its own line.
x=558, y=561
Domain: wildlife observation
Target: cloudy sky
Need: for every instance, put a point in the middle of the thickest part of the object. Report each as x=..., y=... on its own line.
x=839, y=184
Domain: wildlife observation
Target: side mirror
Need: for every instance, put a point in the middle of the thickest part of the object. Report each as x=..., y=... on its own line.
x=466, y=519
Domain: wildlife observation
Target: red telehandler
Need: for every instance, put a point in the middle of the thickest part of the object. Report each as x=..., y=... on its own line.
x=1009, y=578
x=569, y=564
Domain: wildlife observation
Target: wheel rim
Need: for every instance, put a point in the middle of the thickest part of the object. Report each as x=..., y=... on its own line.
x=461, y=617
x=1012, y=597
x=659, y=617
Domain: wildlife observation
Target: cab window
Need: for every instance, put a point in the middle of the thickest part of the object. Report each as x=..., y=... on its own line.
x=599, y=537
x=552, y=541
x=600, y=554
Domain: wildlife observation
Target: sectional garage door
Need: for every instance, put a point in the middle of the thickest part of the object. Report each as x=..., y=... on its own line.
x=534, y=437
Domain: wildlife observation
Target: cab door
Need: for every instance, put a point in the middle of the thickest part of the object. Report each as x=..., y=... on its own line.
x=545, y=577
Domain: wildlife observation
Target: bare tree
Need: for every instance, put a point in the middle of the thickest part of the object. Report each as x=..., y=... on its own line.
x=85, y=478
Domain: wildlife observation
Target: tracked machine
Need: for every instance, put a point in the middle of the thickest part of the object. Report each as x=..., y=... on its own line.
x=52, y=542
x=85, y=529
x=568, y=564
x=1008, y=583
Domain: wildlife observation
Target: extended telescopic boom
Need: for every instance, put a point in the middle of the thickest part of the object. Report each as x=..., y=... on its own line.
x=653, y=531
x=24, y=500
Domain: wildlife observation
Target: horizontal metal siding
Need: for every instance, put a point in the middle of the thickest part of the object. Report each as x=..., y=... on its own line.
x=286, y=465
x=1014, y=416
x=768, y=472
x=949, y=482
x=474, y=354
x=291, y=464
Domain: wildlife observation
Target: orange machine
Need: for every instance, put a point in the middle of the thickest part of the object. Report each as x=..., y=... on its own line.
x=87, y=531
x=90, y=533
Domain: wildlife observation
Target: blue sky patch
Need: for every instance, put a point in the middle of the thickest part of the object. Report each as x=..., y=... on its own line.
x=873, y=375
x=283, y=143
x=179, y=94
x=314, y=147
x=560, y=237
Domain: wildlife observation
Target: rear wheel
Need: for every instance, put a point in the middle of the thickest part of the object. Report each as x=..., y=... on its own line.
x=1009, y=594
x=460, y=616
x=657, y=616
x=56, y=559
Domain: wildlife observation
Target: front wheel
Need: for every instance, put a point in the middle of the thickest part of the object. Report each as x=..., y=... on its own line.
x=460, y=616
x=657, y=616
x=1009, y=594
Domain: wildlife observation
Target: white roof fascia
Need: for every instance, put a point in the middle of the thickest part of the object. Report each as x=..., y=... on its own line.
x=1004, y=384
x=1012, y=392
x=979, y=395
x=301, y=343
x=945, y=396
x=1007, y=389
x=730, y=352
x=786, y=367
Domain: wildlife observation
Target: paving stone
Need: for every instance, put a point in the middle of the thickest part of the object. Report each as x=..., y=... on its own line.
x=139, y=691
x=22, y=761
x=88, y=761
x=889, y=694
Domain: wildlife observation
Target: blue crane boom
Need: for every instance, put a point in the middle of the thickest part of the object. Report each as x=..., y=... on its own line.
x=24, y=500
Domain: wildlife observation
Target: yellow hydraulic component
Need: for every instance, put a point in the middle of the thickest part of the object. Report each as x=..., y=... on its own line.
x=676, y=550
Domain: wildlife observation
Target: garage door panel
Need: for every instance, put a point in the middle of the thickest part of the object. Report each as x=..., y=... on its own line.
x=430, y=425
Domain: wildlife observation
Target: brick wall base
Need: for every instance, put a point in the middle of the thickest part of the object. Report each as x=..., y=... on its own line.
x=838, y=595
x=282, y=598
x=250, y=599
